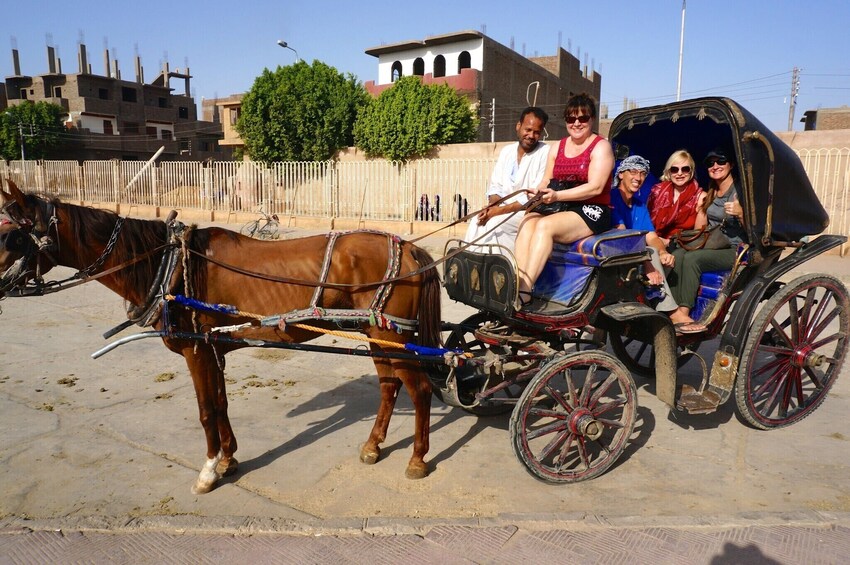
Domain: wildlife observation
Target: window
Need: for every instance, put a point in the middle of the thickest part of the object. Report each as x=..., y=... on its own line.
x=166, y=135
x=131, y=128
x=128, y=94
x=162, y=102
x=103, y=93
x=439, y=66
x=107, y=127
x=464, y=61
x=418, y=67
x=23, y=94
x=234, y=115
x=396, y=71
x=183, y=112
x=150, y=131
x=57, y=92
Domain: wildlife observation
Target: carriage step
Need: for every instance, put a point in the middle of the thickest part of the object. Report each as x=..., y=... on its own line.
x=502, y=335
x=696, y=402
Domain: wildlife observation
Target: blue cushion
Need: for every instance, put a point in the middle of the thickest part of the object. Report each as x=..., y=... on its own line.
x=595, y=249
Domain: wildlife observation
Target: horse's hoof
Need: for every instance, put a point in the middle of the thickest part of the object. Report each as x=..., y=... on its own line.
x=418, y=471
x=370, y=457
x=225, y=469
x=203, y=487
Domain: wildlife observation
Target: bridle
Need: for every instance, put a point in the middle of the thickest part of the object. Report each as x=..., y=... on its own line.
x=34, y=241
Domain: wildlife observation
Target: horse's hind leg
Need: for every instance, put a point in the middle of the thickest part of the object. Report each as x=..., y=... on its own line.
x=228, y=464
x=392, y=375
x=419, y=388
x=208, y=379
x=370, y=453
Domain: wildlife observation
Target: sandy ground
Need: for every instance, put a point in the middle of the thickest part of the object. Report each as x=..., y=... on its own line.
x=118, y=438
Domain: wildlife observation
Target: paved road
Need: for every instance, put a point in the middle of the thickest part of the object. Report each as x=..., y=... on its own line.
x=98, y=457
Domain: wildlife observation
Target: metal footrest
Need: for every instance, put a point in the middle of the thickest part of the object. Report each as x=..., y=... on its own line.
x=697, y=402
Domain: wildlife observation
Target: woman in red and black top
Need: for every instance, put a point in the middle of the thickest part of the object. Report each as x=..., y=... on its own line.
x=673, y=201
x=584, y=160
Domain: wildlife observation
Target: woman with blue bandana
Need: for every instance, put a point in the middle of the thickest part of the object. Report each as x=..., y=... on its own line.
x=629, y=211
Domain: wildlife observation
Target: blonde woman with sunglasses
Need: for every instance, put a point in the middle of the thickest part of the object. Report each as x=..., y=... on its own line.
x=674, y=202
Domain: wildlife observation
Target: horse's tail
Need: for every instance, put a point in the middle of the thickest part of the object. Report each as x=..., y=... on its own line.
x=429, y=300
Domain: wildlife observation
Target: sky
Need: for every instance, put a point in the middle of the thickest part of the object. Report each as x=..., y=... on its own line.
x=743, y=49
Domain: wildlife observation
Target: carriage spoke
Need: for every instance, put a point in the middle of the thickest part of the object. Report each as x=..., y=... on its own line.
x=779, y=361
x=564, y=454
x=817, y=380
x=774, y=382
x=780, y=331
x=600, y=390
x=554, y=444
x=821, y=308
x=827, y=340
x=607, y=407
x=820, y=327
x=588, y=385
x=558, y=397
x=557, y=426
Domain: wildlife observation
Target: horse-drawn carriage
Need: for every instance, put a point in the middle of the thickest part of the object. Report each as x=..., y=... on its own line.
x=781, y=345
x=206, y=292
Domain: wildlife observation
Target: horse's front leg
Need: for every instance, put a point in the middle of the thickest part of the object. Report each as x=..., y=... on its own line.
x=208, y=379
x=419, y=388
x=370, y=453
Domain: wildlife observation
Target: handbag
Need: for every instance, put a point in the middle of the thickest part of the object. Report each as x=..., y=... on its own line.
x=554, y=207
x=704, y=238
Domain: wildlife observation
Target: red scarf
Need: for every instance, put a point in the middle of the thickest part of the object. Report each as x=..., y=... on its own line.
x=670, y=217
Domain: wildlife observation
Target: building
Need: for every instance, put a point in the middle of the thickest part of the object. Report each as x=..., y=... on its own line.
x=225, y=111
x=826, y=118
x=498, y=81
x=112, y=118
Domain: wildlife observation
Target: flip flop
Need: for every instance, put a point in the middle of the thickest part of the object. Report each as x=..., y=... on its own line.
x=689, y=328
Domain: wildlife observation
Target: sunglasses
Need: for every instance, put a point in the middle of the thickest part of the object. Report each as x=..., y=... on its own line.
x=581, y=119
x=686, y=169
x=715, y=161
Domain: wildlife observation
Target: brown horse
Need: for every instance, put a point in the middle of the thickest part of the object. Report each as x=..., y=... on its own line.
x=266, y=278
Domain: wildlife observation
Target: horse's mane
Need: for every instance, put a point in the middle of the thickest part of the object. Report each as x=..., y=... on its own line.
x=92, y=228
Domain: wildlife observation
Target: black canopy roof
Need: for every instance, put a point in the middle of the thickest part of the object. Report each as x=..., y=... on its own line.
x=778, y=199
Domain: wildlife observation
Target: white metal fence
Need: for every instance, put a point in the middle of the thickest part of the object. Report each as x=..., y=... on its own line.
x=421, y=190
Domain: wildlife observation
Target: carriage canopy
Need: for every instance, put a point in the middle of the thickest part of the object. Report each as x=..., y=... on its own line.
x=778, y=199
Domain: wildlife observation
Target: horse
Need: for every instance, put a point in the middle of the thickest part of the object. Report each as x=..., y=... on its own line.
x=138, y=259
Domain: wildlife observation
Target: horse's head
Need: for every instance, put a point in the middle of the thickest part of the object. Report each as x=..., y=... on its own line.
x=23, y=235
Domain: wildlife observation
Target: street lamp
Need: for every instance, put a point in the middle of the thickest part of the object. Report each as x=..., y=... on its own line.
x=285, y=45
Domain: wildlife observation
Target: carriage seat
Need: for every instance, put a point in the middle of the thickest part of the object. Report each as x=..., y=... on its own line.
x=568, y=270
x=595, y=250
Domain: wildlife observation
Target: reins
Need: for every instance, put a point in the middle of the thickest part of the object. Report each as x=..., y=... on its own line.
x=401, y=277
x=84, y=275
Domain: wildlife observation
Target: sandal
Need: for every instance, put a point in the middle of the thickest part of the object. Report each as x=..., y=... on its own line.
x=689, y=328
x=525, y=298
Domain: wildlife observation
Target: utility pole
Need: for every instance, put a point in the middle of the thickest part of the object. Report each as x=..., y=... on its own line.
x=681, y=51
x=795, y=89
x=493, y=120
x=21, y=133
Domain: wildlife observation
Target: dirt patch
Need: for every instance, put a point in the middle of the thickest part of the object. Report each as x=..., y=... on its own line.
x=67, y=381
x=271, y=354
x=164, y=377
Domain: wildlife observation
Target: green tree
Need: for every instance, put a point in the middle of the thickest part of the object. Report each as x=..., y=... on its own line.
x=300, y=112
x=410, y=118
x=40, y=124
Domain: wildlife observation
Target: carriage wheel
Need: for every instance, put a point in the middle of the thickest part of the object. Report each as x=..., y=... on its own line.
x=575, y=417
x=463, y=337
x=794, y=352
x=639, y=356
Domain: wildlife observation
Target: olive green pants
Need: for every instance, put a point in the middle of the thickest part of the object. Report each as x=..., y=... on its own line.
x=684, y=277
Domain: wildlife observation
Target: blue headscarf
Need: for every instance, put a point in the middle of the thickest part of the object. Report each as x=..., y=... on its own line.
x=631, y=163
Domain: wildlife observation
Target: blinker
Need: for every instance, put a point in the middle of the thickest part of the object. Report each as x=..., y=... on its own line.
x=15, y=241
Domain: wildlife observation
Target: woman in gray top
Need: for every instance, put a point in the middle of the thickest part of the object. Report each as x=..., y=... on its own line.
x=719, y=206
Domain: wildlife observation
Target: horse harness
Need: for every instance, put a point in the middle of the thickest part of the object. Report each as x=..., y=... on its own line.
x=33, y=239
